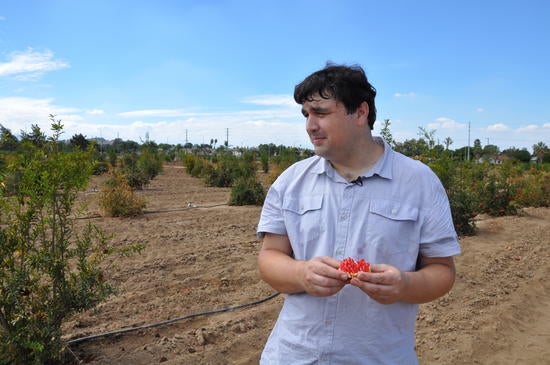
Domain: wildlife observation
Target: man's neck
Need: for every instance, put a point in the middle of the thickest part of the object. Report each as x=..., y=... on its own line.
x=359, y=162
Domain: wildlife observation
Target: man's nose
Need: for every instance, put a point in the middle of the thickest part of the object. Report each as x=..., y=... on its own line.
x=312, y=123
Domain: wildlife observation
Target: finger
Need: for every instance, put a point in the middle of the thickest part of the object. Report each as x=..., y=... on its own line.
x=332, y=271
x=374, y=278
x=329, y=277
x=338, y=275
x=331, y=261
x=372, y=290
x=378, y=267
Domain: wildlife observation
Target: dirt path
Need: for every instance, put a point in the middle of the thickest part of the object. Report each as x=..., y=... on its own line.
x=200, y=255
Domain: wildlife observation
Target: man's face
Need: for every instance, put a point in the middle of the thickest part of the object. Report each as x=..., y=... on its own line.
x=330, y=128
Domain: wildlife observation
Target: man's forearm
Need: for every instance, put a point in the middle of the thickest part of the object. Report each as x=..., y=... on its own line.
x=280, y=271
x=430, y=282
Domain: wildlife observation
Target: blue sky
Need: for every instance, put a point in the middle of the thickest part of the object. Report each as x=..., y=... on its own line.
x=179, y=71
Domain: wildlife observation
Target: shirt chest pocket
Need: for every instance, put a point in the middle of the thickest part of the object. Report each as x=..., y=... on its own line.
x=393, y=229
x=303, y=218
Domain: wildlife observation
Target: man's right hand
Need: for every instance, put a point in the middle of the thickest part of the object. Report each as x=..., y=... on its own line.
x=320, y=276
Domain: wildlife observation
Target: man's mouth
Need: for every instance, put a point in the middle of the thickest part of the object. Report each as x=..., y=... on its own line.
x=317, y=139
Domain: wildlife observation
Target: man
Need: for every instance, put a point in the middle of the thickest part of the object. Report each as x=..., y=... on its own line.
x=356, y=198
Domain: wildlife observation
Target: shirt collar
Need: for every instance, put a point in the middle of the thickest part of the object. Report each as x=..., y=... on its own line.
x=382, y=167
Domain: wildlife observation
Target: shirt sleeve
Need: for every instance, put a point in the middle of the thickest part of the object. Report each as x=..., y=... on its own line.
x=438, y=236
x=271, y=218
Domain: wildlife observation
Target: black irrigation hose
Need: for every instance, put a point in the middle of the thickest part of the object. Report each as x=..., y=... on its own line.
x=162, y=323
x=162, y=211
x=151, y=325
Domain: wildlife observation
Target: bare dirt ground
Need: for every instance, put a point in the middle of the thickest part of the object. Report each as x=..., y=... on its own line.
x=200, y=256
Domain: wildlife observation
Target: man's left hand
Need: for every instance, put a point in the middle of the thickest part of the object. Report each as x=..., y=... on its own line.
x=385, y=283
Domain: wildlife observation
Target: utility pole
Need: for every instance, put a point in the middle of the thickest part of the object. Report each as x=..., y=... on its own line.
x=468, y=157
x=227, y=137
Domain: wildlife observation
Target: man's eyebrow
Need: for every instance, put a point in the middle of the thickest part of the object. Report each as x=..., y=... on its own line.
x=320, y=109
x=316, y=109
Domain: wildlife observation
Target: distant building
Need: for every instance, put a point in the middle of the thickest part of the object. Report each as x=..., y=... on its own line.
x=494, y=160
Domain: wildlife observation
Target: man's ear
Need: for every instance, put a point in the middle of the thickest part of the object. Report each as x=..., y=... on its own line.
x=363, y=112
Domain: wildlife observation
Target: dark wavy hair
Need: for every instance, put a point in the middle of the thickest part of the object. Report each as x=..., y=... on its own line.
x=347, y=84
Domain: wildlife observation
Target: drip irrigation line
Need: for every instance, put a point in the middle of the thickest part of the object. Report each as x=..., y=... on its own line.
x=182, y=209
x=162, y=323
x=162, y=211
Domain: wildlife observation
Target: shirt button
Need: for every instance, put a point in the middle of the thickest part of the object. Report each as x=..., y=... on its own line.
x=343, y=217
x=393, y=211
x=328, y=322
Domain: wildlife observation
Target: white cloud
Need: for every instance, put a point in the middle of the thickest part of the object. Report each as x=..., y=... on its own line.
x=95, y=112
x=529, y=128
x=288, y=111
x=282, y=100
x=446, y=123
x=30, y=64
x=535, y=129
x=405, y=95
x=480, y=110
x=2, y=18
x=246, y=127
x=498, y=127
x=272, y=124
x=153, y=113
x=242, y=132
x=18, y=113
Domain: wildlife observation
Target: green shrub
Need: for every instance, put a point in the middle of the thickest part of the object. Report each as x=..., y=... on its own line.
x=217, y=176
x=188, y=161
x=48, y=268
x=112, y=157
x=444, y=168
x=118, y=199
x=100, y=167
x=135, y=177
x=463, y=210
x=456, y=178
x=264, y=159
x=228, y=169
x=533, y=189
x=496, y=196
x=199, y=166
x=140, y=169
x=247, y=191
x=149, y=163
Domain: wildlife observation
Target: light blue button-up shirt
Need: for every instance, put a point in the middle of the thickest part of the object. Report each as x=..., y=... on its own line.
x=401, y=209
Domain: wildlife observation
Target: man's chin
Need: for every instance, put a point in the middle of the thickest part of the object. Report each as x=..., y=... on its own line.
x=320, y=151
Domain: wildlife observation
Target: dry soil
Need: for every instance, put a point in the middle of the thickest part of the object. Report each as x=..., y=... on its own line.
x=200, y=257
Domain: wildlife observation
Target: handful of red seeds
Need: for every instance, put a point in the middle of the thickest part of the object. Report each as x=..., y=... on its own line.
x=352, y=267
